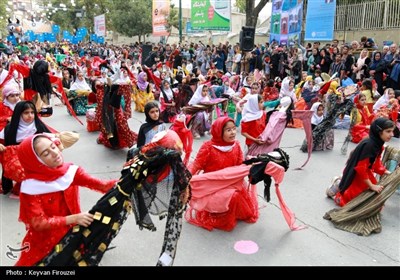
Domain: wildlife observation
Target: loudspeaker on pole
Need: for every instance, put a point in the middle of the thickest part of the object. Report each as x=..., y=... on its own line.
x=247, y=38
x=146, y=50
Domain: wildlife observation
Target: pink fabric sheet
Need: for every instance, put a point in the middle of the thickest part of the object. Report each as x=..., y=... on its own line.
x=305, y=117
x=277, y=172
x=273, y=133
x=212, y=191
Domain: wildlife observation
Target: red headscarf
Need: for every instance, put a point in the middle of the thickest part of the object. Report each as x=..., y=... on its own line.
x=186, y=136
x=357, y=102
x=363, y=110
x=167, y=139
x=33, y=167
x=217, y=131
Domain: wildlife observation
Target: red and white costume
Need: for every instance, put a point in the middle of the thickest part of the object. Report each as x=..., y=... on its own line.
x=47, y=196
x=220, y=205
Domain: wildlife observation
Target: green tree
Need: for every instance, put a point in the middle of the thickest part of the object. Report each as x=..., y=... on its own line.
x=80, y=15
x=173, y=18
x=132, y=17
x=3, y=18
x=252, y=11
x=241, y=5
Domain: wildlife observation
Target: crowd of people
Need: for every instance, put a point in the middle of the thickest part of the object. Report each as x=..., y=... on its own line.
x=201, y=89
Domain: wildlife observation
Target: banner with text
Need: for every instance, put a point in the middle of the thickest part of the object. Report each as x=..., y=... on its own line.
x=286, y=21
x=320, y=20
x=211, y=15
x=161, y=10
x=100, y=25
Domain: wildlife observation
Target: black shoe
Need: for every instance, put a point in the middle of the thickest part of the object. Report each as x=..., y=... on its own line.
x=7, y=185
x=267, y=188
x=267, y=194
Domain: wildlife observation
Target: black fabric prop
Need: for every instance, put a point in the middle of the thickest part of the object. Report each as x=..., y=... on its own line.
x=257, y=171
x=108, y=117
x=115, y=98
x=329, y=121
x=39, y=79
x=137, y=190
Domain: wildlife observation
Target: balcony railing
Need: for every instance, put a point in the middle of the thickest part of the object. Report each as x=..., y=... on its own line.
x=371, y=15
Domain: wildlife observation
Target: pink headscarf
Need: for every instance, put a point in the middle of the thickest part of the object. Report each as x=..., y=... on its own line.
x=10, y=88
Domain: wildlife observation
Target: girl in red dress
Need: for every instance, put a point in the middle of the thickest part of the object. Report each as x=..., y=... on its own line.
x=220, y=207
x=111, y=117
x=49, y=199
x=363, y=162
x=360, y=119
x=24, y=122
x=254, y=120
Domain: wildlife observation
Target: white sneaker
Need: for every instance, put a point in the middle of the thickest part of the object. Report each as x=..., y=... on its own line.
x=334, y=188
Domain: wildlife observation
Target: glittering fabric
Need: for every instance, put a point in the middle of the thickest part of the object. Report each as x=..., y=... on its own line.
x=138, y=189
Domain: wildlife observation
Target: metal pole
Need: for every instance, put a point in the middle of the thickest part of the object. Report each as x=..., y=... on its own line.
x=180, y=21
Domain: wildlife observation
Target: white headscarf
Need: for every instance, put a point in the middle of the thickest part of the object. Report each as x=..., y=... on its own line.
x=80, y=85
x=10, y=105
x=285, y=103
x=315, y=119
x=197, y=97
x=285, y=91
x=25, y=130
x=168, y=91
x=251, y=111
x=383, y=100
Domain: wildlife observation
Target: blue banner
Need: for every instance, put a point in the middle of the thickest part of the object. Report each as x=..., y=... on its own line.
x=40, y=38
x=189, y=27
x=93, y=38
x=56, y=28
x=30, y=35
x=74, y=40
x=12, y=39
x=320, y=20
x=100, y=40
x=51, y=37
x=83, y=31
x=67, y=36
x=286, y=21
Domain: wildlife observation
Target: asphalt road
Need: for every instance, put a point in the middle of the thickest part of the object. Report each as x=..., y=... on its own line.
x=320, y=244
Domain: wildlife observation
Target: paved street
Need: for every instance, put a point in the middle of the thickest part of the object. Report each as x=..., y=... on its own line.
x=304, y=191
